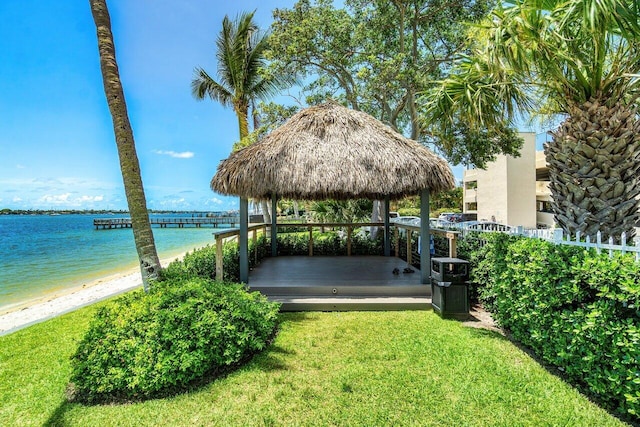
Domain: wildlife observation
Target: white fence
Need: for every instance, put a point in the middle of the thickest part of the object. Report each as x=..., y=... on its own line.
x=557, y=236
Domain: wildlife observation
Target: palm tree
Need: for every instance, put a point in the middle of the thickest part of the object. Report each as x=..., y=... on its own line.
x=576, y=59
x=241, y=62
x=129, y=165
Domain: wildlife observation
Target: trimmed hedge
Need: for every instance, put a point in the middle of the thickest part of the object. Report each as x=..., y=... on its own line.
x=577, y=310
x=143, y=345
x=328, y=243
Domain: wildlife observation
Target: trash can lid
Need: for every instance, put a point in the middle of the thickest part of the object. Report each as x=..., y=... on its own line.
x=445, y=260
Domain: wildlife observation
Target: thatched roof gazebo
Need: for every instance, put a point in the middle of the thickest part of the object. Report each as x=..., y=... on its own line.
x=332, y=152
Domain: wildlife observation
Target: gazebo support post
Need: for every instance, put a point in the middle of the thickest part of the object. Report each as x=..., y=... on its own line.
x=387, y=234
x=274, y=226
x=425, y=246
x=243, y=240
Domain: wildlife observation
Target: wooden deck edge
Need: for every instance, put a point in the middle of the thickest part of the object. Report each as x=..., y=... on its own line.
x=354, y=304
x=341, y=291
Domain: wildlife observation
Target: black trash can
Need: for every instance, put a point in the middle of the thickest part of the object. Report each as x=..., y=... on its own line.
x=450, y=287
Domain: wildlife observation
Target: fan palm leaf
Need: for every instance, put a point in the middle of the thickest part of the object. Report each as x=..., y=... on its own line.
x=578, y=59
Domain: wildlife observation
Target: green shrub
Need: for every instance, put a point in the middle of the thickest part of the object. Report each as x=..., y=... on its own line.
x=202, y=262
x=328, y=243
x=577, y=310
x=536, y=285
x=180, y=332
x=199, y=263
x=363, y=245
x=488, y=264
x=469, y=248
x=409, y=211
x=441, y=245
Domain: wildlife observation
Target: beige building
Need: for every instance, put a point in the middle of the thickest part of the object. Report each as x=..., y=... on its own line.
x=512, y=190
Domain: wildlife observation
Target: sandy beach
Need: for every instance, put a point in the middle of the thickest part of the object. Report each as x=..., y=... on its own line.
x=36, y=311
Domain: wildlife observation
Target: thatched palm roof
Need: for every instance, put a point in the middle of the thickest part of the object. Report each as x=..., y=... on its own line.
x=331, y=152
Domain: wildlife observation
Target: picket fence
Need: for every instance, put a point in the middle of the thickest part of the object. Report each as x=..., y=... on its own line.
x=557, y=236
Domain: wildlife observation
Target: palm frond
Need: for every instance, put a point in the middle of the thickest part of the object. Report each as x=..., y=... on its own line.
x=203, y=85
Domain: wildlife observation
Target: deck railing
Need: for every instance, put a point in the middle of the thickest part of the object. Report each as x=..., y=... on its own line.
x=450, y=235
x=229, y=235
x=412, y=255
x=323, y=226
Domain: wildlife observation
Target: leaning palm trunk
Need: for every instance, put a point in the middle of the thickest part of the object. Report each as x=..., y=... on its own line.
x=264, y=207
x=376, y=216
x=129, y=165
x=594, y=160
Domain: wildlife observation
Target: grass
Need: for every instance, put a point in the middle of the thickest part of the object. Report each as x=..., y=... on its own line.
x=357, y=368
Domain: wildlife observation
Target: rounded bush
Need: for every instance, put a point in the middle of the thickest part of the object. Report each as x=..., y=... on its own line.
x=148, y=344
x=199, y=263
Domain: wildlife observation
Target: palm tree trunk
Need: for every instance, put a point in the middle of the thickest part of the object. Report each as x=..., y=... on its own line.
x=296, y=210
x=129, y=165
x=242, y=111
x=264, y=206
x=594, y=160
x=376, y=216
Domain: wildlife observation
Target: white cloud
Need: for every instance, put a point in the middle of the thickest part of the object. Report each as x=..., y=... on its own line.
x=90, y=199
x=55, y=198
x=216, y=201
x=17, y=199
x=182, y=155
x=66, y=199
x=21, y=167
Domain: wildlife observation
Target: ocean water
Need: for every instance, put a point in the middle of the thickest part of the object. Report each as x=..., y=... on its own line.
x=42, y=254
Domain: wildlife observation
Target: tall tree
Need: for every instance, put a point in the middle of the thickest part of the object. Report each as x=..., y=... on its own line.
x=129, y=165
x=578, y=59
x=241, y=72
x=378, y=56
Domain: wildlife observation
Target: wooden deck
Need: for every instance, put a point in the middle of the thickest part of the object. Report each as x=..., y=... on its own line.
x=303, y=283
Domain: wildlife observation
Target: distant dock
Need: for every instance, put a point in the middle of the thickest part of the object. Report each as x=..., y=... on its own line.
x=216, y=221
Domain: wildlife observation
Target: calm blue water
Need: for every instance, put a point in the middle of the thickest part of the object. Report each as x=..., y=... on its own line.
x=41, y=254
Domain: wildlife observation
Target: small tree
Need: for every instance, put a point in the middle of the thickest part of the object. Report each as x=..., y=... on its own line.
x=241, y=62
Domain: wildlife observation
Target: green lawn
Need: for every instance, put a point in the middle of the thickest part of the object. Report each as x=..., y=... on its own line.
x=359, y=368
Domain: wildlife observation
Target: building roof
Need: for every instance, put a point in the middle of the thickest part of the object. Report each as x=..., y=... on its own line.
x=332, y=152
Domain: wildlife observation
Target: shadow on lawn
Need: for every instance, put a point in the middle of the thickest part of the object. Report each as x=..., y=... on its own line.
x=58, y=417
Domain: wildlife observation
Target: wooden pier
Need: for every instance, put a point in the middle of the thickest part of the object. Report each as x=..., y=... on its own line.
x=114, y=223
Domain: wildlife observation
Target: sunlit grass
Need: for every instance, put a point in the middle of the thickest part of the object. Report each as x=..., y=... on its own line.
x=358, y=368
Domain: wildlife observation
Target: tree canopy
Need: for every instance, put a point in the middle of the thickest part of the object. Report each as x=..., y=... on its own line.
x=378, y=56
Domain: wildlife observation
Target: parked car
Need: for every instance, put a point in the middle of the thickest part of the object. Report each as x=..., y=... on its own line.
x=447, y=217
x=407, y=220
x=457, y=217
x=415, y=221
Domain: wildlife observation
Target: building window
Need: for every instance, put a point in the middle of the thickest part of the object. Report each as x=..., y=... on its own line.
x=544, y=206
x=471, y=185
x=472, y=206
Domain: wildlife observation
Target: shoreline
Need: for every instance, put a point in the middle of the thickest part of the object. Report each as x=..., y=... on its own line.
x=37, y=310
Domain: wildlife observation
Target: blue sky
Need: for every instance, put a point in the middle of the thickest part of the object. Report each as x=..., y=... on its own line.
x=57, y=149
